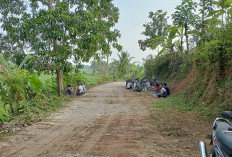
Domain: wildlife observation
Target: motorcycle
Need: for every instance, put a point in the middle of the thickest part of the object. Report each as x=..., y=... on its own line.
x=221, y=137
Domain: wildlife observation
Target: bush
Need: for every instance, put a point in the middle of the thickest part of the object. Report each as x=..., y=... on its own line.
x=169, y=67
x=22, y=93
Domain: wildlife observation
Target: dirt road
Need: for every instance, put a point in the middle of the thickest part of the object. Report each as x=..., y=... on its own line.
x=109, y=121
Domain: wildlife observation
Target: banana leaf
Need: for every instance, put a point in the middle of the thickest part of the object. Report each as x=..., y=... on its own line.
x=3, y=62
x=24, y=61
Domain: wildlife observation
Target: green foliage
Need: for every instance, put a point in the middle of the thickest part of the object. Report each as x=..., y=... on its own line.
x=123, y=63
x=56, y=31
x=168, y=67
x=22, y=93
x=136, y=71
x=184, y=14
x=99, y=67
x=4, y=115
x=210, y=92
x=36, y=84
x=176, y=102
x=3, y=62
x=73, y=78
x=119, y=68
x=24, y=61
x=155, y=30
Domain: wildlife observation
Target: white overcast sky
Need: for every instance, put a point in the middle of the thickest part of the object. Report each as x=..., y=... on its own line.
x=133, y=14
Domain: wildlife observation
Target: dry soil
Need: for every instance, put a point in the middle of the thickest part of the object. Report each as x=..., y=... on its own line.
x=110, y=121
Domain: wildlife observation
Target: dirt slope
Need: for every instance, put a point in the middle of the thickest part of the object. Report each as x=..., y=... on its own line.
x=109, y=121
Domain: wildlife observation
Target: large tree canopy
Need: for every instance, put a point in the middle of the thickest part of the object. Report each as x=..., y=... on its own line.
x=157, y=27
x=55, y=31
x=185, y=16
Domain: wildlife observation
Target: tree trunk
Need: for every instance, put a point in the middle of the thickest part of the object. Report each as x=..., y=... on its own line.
x=50, y=4
x=59, y=76
x=186, y=36
x=94, y=67
x=107, y=72
x=181, y=44
x=203, y=22
x=59, y=73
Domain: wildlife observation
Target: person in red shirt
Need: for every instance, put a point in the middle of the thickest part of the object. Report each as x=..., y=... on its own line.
x=156, y=88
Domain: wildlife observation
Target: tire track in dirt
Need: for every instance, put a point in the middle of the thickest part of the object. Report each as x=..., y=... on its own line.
x=88, y=145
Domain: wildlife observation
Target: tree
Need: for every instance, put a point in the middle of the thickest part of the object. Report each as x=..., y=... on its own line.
x=11, y=43
x=137, y=71
x=113, y=67
x=123, y=63
x=206, y=9
x=99, y=66
x=184, y=16
x=59, y=30
x=158, y=27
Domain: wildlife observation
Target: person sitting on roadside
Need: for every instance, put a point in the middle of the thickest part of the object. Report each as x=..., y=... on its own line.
x=79, y=90
x=156, y=88
x=167, y=89
x=148, y=84
x=83, y=86
x=163, y=92
x=138, y=87
x=129, y=85
x=127, y=81
x=134, y=84
x=69, y=90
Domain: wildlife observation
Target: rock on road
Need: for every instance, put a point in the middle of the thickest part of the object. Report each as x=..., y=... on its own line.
x=107, y=121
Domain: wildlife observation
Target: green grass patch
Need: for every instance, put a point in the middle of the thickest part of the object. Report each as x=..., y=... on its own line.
x=179, y=102
x=92, y=80
x=174, y=102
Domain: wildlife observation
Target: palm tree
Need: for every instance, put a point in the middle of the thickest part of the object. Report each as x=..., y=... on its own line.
x=124, y=63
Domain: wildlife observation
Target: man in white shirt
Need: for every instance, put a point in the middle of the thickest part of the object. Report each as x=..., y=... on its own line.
x=163, y=92
x=79, y=89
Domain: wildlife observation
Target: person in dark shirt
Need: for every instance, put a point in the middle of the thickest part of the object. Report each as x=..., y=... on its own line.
x=69, y=90
x=138, y=87
x=163, y=92
x=167, y=88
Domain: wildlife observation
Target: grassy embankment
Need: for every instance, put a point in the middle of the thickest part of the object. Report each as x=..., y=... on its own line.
x=200, y=81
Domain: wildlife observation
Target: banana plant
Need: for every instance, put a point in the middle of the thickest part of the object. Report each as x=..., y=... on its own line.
x=36, y=84
x=34, y=81
x=137, y=71
x=224, y=8
x=167, y=42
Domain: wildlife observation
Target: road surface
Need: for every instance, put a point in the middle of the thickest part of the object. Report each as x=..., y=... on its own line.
x=109, y=121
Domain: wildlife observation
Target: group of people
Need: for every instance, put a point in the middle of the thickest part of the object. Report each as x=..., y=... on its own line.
x=158, y=90
x=79, y=90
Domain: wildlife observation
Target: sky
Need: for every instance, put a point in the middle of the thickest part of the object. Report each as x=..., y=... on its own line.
x=133, y=14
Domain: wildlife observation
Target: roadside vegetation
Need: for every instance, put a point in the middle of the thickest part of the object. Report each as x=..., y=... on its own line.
x=122, y=68
x=205, y=30
x=42, y=47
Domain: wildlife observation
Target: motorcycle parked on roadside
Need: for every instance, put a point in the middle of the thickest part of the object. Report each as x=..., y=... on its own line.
x=221, y=137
